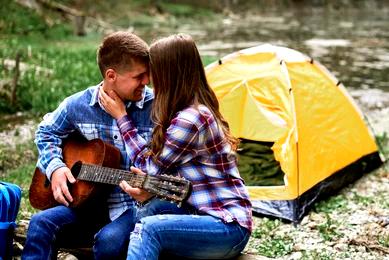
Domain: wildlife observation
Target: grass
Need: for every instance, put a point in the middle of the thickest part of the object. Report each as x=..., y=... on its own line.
x=316, y=254
x=383, y=144
x=184, y=10
x=22, y=177
x=266, y=226
x=73, y=68
x=17, y=165
x=66, y=71
x=14, y=157
x=363, y=200
x=272, y=244
x=328, y=230
x=384, y=240
x=275, y=246
x=333, y=203
x=59, y=63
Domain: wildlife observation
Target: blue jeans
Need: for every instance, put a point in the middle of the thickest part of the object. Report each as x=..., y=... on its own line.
x=65, y=227
x=184, y=234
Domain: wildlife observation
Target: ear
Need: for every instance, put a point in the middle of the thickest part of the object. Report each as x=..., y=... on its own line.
x=110, y=75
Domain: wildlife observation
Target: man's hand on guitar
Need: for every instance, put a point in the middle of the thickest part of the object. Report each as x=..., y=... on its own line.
x=59, y=185
x=140, y=195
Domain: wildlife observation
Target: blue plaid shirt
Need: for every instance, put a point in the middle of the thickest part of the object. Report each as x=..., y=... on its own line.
x=82, y=112
x=196, y=149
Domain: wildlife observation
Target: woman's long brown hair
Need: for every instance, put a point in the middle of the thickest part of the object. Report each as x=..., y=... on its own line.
x=179, y=81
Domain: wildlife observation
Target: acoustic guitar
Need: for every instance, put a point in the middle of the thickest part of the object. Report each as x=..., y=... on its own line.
x=95, y=165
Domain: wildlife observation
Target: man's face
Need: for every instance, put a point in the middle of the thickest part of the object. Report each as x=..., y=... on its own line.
x=129, y=85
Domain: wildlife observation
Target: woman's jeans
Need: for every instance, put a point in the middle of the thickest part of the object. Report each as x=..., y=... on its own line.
x=184, y=234
x=65, y=227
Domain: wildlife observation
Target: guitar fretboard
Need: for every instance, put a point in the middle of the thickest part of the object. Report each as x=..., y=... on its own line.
x=95, y=173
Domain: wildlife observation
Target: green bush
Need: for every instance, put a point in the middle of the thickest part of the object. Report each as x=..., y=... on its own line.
x=18, y=20
x=54, y=72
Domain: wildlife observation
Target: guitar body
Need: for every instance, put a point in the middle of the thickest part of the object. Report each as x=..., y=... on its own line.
x=94, y=152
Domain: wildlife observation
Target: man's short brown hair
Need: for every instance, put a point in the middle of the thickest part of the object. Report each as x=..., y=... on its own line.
x=120, y=50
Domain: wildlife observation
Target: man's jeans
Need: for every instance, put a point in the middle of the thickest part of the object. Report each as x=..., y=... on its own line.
x=179, y=232
x=69, y=228
x=65, y=227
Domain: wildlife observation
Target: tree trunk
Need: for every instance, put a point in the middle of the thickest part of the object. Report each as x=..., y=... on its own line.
x=15, y=79
x=79, y=23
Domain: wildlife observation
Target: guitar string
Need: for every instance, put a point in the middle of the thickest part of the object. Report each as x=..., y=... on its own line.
x=114, y=176
x=109, y=175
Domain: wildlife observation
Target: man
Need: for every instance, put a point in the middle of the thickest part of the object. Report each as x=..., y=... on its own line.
x=123, y=61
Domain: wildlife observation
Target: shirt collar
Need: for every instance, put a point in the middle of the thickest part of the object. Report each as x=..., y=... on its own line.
x=146, y=96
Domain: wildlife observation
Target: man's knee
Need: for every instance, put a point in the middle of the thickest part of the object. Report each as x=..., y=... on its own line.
x=108, y=236
x=110, y=244
x=40, y=220
x=37, y=218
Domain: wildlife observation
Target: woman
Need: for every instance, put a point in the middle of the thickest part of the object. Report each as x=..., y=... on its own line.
x=191, y=139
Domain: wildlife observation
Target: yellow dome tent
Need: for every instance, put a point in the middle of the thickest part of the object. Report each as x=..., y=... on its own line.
x=276, y=94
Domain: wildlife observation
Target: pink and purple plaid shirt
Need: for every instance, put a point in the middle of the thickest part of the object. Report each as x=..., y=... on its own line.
x=196, y=149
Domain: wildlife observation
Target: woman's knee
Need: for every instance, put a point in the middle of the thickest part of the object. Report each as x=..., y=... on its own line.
x=151, y=226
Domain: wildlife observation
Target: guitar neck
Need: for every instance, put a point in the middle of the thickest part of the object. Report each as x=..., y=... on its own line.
x=164, y=186
x=95, y=173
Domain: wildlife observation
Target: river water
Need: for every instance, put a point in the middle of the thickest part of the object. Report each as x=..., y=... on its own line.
x=352, y=43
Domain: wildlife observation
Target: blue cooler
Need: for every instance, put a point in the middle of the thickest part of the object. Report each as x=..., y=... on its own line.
x=10, y=195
